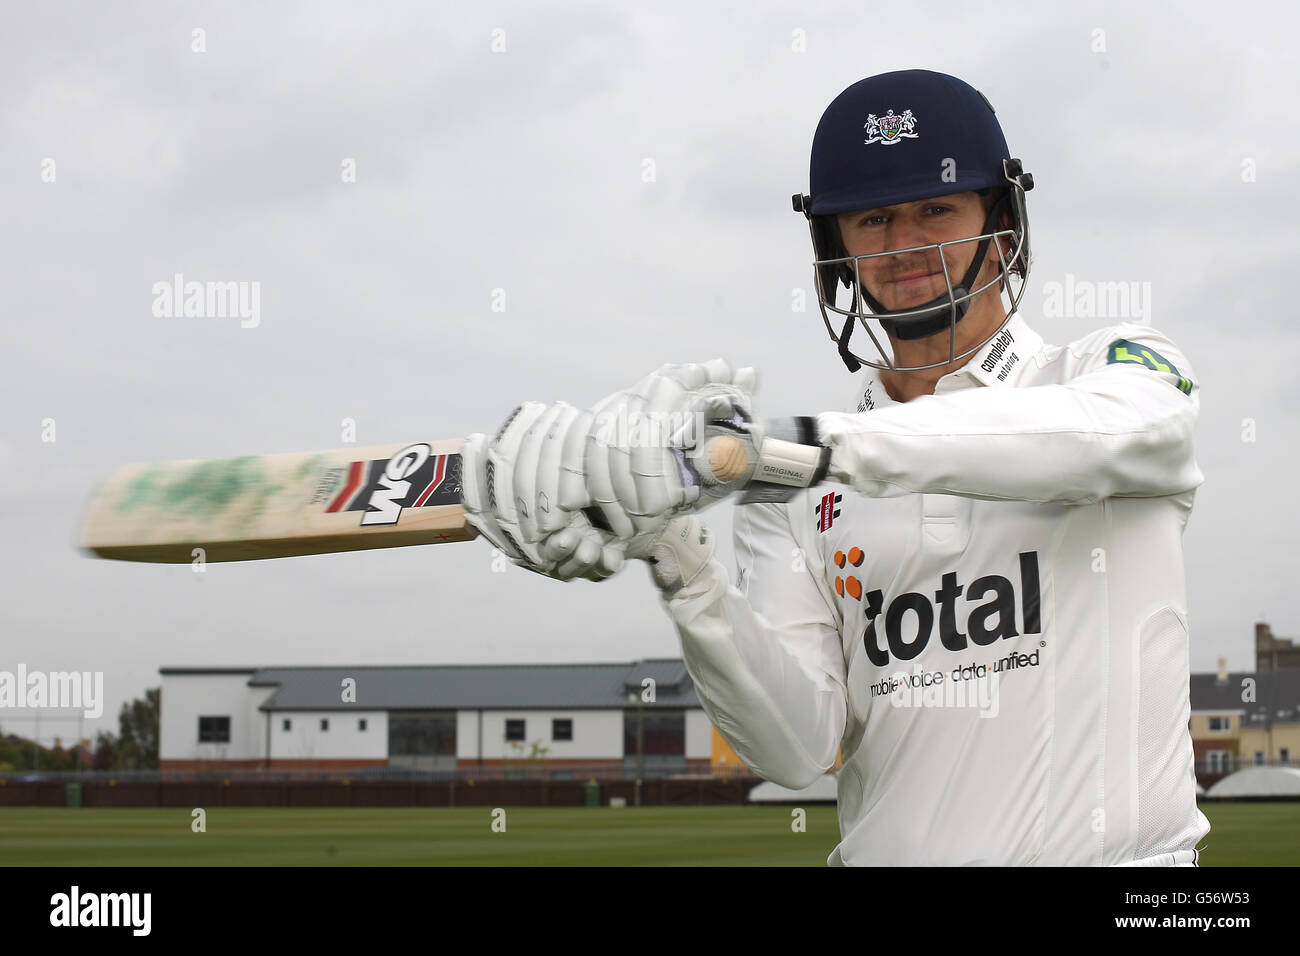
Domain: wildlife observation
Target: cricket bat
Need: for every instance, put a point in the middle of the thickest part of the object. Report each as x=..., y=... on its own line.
x=278, y=506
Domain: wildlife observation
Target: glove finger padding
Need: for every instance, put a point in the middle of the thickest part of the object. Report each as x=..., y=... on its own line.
x=489, y=490
x=651, y=467
x=600, y=557
x=600, y=486
x=476, y=493
x=649, y=474
x=575, y=488
x=558, y=546
x=643, y=470
x=583, y=551
x=537, y=471
x=571, y=477
x=623, y=430
x=578, y=550
x=608, y=422
x=746, y=379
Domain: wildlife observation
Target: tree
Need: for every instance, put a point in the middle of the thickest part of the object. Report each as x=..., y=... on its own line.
x=105, y=751
x=138, y=732
x=136, y=744
x=533, y=763
x=18, y=753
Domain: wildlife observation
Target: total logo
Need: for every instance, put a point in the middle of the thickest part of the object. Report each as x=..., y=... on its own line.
x=990, y=605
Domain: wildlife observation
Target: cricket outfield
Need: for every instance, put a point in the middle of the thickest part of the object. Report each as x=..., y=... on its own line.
x=1243, y=834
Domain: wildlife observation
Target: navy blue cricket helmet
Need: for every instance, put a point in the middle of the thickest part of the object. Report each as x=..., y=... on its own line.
x=898, y=138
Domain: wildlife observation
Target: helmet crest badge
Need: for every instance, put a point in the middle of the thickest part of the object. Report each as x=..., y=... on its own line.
x=890, y=128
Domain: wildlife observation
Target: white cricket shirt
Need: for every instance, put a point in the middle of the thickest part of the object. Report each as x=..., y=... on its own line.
x=987, y=615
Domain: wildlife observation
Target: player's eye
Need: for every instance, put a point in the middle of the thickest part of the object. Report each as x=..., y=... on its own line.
x=936, y=210
x=873, y=220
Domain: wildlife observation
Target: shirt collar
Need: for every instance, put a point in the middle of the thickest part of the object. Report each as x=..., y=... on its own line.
x=869, y=392
x=1002, y=359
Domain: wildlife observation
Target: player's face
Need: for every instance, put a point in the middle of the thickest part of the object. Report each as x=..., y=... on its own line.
x=911, y=279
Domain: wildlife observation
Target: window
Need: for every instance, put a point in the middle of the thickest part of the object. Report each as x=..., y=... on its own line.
x=514, y=730
x=663, y=733
x=1217, y=761
x=361, y=723
x=1219, y=723
x=1259, y=758
x=562, y=728
x=214, y=730
x=1284, y=755
x=287, y=725
x=421, y=734
x=324, y=723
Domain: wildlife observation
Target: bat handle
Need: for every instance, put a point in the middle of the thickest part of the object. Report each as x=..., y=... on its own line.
x=727, y=458
x=797, y=461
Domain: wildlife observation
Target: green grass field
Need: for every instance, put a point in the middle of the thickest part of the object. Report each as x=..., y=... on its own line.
x=1242, y=835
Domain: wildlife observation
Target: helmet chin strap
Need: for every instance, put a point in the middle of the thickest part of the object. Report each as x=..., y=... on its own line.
x=939, y=313
x=845, y=356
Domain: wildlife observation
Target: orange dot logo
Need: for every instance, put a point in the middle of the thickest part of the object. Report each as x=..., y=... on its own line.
x=850, y=584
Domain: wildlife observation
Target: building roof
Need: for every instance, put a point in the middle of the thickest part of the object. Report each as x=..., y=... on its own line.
x=472, y=686
x=1276, y=696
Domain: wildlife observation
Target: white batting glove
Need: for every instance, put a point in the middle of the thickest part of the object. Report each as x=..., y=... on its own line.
x=676, y=555
x=494, y=506
x=679, y=553
x=632, y=473
x=613, y=466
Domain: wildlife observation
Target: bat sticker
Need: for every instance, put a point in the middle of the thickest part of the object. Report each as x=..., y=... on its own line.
x=412, y=478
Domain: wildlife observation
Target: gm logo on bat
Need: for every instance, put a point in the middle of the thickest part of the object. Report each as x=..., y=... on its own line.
x=412, y=478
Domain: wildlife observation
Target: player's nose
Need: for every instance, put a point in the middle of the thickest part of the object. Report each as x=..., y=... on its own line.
x=905, y=233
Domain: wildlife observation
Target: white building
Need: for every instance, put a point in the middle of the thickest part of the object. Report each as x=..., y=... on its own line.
x=454, y=717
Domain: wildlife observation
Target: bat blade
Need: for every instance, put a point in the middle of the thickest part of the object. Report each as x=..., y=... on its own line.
x=276, y=506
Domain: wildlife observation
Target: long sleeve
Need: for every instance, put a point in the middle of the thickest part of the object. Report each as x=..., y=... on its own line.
x=770, y=674
x=1123, y=426
x=956, y=581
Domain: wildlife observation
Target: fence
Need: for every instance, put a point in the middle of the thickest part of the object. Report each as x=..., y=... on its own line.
x=348, y=792
x=521, y=770
x=1214, y=766
x=1223, y=762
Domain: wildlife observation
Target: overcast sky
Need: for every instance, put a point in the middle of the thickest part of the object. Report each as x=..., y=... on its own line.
x=506, y=147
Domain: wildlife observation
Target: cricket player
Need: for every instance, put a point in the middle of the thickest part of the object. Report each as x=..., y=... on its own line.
x=968, y=585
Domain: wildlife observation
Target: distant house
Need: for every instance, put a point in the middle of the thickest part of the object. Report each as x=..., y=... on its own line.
x=1274, y=653
x=1251, y=718
x=440, y=718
